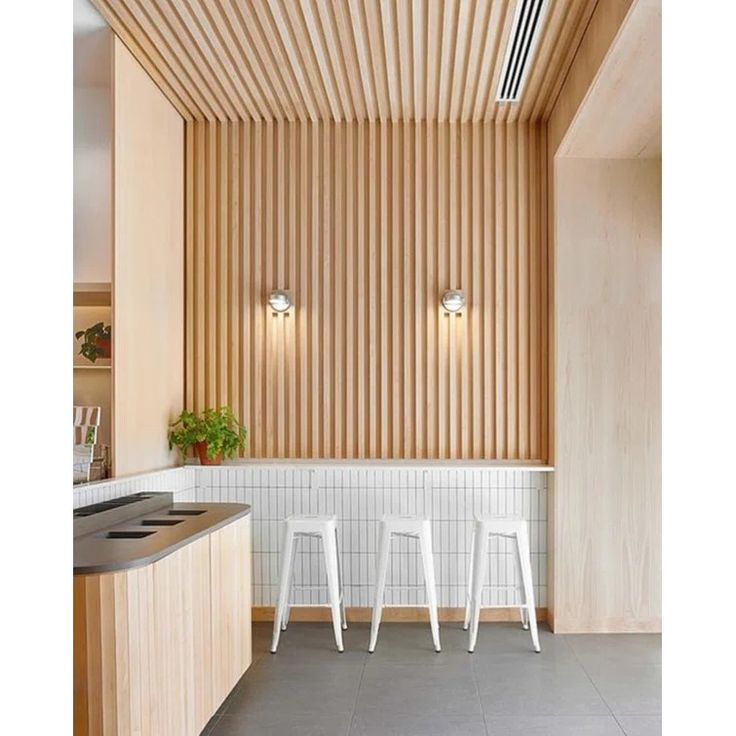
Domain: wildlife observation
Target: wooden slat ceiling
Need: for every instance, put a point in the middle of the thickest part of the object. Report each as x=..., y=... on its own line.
x=344, y=59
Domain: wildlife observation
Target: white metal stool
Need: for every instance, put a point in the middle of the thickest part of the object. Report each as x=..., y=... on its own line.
x=509, y=527
x=324, y=527
x=414, y=527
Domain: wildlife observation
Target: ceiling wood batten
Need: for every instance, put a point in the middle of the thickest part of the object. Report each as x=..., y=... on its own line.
x=344, y=60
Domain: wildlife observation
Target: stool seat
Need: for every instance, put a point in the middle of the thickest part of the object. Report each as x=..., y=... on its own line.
x=325, y=528
x=513, y=527
x=413, y=527
x=405, y=524
x=310, y=523
x=500, y=524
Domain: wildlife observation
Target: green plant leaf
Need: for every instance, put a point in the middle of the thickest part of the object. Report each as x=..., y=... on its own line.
x=89, y=348
x=219, y=428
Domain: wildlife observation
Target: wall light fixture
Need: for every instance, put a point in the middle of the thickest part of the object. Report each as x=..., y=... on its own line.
x=279, y=300
x=453, y=300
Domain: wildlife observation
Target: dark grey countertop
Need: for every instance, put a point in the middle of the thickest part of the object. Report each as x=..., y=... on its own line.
x=97, y=552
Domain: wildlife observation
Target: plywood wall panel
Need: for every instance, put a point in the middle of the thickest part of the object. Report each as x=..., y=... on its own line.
x=148, y=266
x=607, y=499
x=366, y=224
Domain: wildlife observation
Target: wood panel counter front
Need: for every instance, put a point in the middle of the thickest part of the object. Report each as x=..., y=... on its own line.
x=157, y=648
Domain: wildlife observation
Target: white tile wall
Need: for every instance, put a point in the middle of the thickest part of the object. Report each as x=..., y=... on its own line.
x=178, y=480
x=359, y=496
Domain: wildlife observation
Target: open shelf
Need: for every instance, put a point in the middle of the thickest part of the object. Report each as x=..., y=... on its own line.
x=92, y=294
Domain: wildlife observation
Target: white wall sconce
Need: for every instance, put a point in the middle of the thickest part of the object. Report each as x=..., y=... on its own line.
x=280, y=301
x=453, y=301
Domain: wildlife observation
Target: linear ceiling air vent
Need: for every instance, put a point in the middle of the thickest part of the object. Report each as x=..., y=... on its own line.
x=520, y=48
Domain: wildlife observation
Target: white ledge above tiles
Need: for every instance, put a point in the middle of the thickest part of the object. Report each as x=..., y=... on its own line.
x=373, y=464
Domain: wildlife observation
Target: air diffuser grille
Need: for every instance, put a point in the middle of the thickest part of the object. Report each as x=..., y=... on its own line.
x=520, y=48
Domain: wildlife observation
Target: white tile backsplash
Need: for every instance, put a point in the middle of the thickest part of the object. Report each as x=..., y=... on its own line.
x=360, y=496
x=180, y=481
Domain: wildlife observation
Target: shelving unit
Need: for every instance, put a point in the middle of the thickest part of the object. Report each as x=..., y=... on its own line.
x=93, y=381
x=93, y=295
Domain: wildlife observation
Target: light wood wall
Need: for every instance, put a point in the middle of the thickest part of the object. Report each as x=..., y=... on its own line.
x=367, y=224
x=604, y=535
x=605, y=23
x=607, y=485
x=148, y=264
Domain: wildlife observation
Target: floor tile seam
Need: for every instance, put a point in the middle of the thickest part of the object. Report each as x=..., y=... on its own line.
x=357, y=697
x=547, y=714
x=474, y=676
x=595, y=687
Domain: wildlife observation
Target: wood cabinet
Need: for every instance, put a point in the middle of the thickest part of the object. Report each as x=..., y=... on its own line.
x=158, y=648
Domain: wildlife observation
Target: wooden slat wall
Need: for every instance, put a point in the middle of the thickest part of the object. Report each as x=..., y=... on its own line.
x=367, y=224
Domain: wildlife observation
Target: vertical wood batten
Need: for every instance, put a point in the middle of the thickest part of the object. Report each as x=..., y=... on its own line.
x=198, y=277
x=522, y=280
x=210, y=272
x=501, y=404
x=367, y=224
x=244, y=302
x=512, y=293
x=536, y=313
x=234, y=275
x=224, y=179
x=189, y=267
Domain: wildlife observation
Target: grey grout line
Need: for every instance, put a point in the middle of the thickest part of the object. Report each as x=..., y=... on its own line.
x=357, y=697
x=595, y=687
x=474, y=675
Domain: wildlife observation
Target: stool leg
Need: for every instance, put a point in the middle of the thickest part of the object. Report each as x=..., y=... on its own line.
x=466, y=622
x=343, y=618
x=285, y=621
x=384, y=543
x=425, y=543
x=284, y=586
x=522, y=544
x=333, y=584
x=522, y=610
x=480, y=568
x=524, y=619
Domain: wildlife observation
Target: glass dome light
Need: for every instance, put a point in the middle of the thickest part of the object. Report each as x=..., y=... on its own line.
x=279, y=300
x=453, y=300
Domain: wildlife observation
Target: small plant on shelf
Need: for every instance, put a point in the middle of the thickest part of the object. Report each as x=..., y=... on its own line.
x=95, y=341
x=214, y=434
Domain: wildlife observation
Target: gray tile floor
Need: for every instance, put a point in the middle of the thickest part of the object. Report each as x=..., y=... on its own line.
x=586, y=685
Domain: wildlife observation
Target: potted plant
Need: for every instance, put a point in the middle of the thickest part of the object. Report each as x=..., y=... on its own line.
x=95, y=341
x=214, y=434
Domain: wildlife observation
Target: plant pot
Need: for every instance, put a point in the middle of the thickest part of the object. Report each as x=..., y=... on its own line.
x=201, y=449
x=104, y=347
